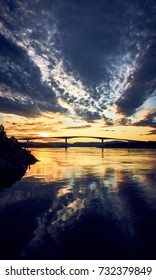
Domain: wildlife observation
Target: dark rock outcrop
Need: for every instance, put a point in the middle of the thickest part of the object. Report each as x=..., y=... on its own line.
x=14, y=160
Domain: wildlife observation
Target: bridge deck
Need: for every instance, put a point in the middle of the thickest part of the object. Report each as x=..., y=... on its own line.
x=71, y=137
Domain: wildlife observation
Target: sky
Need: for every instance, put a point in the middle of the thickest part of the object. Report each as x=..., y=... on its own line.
x=78, y=67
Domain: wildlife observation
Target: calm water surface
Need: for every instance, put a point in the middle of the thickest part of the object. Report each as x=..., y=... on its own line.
x=83, y=203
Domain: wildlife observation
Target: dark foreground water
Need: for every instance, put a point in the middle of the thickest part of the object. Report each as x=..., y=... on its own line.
x=82, y=204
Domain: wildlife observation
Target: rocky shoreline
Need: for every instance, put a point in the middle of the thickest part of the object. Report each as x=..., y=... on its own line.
x=14, y=160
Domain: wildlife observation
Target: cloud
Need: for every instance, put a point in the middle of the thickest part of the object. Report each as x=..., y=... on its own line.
x=141, y=82
x=22, y=90
x=148, y=120
x=123, y=122
x=79, y=127
x=152, y=132
x=13, y=106
x=109, y=130
x=86, y=114
x=86, y=55
x=87, y=39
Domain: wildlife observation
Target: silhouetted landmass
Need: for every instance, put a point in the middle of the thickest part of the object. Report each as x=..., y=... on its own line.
x=14, y=160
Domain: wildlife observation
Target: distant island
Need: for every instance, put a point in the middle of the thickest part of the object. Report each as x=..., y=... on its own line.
x=14, y=160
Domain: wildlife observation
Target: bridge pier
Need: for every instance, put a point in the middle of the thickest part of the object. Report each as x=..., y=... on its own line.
x=128, y=145
x=102, y=141
x=27, y=144
x=66, y=143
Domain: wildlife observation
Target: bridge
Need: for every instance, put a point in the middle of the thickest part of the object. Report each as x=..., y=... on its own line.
x=66, y=138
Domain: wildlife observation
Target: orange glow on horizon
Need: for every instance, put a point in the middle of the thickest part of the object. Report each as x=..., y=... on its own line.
x=45, y=129
x=44, y=134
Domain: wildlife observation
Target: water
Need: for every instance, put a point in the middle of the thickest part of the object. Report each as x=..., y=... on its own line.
x=83, y=203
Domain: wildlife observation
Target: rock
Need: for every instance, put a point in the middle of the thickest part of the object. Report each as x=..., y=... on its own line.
x=14, y=160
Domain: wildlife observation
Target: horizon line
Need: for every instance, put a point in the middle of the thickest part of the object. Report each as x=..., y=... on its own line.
x=78, y=136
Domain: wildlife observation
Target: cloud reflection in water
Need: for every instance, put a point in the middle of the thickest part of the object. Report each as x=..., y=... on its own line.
x=90, y=208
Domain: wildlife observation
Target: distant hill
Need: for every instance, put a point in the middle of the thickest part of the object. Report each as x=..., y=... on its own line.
x=108, y=144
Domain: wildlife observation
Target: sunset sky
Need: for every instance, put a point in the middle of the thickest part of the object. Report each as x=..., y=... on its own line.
x=78, y=67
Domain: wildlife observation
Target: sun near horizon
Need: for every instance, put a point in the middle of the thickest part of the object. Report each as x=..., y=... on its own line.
x=45, y=128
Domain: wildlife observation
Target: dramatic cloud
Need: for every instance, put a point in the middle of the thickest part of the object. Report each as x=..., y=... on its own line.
x=148, y=120
x=89, y=58
x=22, y=91
x=141, y=83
